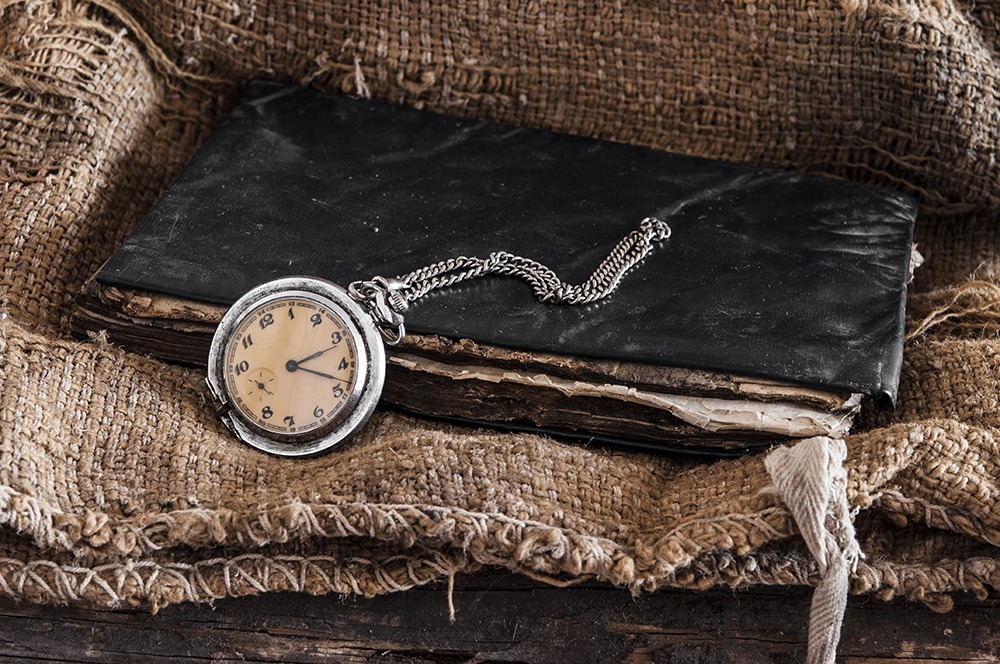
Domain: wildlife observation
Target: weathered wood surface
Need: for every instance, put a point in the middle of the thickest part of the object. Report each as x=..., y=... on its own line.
x=502, y=618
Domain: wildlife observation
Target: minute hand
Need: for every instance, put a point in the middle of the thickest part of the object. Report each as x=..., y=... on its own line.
x=316, y=354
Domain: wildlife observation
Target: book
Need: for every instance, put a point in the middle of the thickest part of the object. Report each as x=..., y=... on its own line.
x=777, y=302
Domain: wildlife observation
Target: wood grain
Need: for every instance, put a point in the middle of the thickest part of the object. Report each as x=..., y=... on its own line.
x=502, y=618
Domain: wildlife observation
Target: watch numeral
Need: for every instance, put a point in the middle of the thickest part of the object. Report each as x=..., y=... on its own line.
x=336, y=338
x=338, y=391
x=316, y=319
x=290, y=421
x=291, y=314
x=342, y=365
x=317, y=412
x=241, y=367
x=266, y=320
x=266, y=413
x=247, y=341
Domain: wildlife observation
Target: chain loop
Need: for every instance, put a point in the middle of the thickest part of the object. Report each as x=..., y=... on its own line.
x=543, y=281
x=387, y=299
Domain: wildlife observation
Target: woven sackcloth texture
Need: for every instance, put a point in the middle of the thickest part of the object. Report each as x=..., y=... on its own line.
x=118, y=485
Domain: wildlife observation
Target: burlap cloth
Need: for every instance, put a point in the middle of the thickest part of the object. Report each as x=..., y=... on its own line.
x=118, y=485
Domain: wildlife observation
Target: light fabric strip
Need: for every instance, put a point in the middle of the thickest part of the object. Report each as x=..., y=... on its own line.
x=811, y=480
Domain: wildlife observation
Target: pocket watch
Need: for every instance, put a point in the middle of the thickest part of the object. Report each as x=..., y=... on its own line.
x=297, y=364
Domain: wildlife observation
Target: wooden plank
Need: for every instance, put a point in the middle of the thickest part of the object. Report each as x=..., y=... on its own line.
x=501, y=618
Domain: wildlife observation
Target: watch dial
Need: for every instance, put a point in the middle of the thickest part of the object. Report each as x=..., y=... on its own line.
x=291, y=365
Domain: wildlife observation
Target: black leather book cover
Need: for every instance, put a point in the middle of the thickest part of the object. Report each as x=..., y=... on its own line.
x=767, y=273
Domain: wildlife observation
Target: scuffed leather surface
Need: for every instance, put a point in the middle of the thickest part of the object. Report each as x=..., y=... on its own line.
x=767, y=273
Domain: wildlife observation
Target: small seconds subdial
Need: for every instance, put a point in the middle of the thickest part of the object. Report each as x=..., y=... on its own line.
x=291, y=365
x=261, y=384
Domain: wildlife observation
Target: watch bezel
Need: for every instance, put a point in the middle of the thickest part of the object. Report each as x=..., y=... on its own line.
x=370, y=368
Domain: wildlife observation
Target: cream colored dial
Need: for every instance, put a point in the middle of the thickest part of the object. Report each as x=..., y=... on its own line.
x=291, y=366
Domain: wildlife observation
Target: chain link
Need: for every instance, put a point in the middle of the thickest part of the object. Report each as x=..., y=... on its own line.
x=543, y=281
x=387, y=299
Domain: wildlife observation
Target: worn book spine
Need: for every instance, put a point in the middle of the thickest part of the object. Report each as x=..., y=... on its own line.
x=491, y=385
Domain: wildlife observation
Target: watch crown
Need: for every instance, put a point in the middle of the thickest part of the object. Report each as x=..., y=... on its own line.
x=220, y=405
x=222, y=408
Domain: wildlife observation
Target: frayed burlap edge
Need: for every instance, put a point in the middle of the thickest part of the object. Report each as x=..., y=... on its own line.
x=438, y=541
x=158, y=584
x=971, y=309
x=489, y=538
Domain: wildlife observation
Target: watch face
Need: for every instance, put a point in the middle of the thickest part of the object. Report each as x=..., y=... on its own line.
x=298, y=366
x=292, y=365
